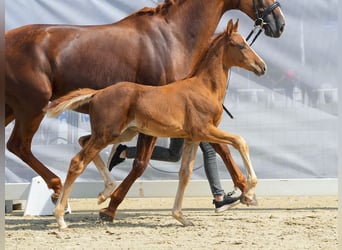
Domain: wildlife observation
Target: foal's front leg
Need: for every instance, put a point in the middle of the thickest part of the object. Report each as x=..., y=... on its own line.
x=188, y=160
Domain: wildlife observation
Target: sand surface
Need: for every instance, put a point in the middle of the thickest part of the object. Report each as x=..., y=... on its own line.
x=146, y=223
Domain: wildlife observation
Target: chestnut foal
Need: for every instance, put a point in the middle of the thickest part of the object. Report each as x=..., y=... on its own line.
x=189, y=109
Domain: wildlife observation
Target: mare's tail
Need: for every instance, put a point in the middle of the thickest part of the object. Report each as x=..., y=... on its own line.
x=71, y=101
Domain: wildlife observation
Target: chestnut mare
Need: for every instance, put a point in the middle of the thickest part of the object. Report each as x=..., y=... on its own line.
x=44, y=62
x=189, y=109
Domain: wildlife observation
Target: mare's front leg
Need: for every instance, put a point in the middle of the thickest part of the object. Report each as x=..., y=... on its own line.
x=77, y=165
x=188, y=160
x=145, y=146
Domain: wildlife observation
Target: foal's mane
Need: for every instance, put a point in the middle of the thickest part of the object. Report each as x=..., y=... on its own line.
x=162, y=8
x=210, y=51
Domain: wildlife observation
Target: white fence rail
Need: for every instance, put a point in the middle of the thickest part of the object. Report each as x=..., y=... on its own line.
x=265, y=187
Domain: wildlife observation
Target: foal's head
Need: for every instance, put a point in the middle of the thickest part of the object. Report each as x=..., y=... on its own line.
x=238, y=53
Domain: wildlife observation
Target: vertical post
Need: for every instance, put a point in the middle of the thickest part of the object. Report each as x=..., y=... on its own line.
x=302, y=42
x=72, y=119
x=339, y=221
x=2, y=123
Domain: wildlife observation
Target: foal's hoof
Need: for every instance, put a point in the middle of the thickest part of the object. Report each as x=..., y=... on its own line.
x=188, y=223
x=249, y=202
x=106, y=216
x=63, y=229
x=101, y=198
x=185, y=222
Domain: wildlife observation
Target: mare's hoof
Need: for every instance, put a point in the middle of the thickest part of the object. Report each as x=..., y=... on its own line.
x=54, y=199
x=105, y=216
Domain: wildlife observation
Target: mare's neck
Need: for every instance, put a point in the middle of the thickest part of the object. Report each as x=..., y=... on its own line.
x=194, y=23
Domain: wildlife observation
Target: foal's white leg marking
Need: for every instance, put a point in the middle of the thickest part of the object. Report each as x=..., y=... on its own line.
x=104, y=172
x=188, y=160
x=126, y=135
x=252, y=179
x=107, y=178
x=59, y=214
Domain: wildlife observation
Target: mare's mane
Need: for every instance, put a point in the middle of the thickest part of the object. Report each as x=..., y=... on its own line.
x=162, y=8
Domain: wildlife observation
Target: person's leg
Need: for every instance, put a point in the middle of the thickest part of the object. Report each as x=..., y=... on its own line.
x=211, y=170
x=171, y=154
x=221, y=200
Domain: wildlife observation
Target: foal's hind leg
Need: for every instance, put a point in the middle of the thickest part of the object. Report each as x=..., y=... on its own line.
x=145, y=147
x=127, y=135
x=104, y=172
x=216, y=135
x=77, y=165
x=188, y=160
x=234, y=171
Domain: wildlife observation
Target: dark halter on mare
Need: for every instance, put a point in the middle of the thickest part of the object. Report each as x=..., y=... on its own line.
x=259, y=23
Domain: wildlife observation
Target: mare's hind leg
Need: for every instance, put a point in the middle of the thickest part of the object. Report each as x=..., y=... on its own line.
x=188, y=160
x=19, y=144
x=145, y=147
x=219, y=136
x=27, y=92
x=9, y=115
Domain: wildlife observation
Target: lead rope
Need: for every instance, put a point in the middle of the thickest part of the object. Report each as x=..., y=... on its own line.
x=259, y=24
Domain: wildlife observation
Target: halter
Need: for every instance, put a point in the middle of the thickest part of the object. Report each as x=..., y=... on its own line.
x=260, y=19
x=259, y=23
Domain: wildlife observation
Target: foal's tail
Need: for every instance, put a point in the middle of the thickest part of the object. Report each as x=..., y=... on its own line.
x=70, y=101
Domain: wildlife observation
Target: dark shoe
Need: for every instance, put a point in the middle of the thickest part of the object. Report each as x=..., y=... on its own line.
x=226, y=203
x=116, y=157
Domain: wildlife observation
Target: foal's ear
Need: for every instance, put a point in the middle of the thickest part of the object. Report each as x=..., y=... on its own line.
x=230, y=27
x=236, y=25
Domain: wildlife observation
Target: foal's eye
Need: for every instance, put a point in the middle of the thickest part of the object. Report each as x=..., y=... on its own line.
x=241, y=46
